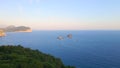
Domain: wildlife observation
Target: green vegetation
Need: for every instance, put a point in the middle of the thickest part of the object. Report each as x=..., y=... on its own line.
x=20, y=57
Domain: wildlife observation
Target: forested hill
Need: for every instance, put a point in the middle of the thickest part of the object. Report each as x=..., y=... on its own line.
x=20, y=57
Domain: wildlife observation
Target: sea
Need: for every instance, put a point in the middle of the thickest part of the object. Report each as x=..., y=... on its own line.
x=86, y=48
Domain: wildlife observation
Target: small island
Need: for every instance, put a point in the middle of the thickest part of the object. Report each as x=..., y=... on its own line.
x=69, y=36
x=20, y=57
x=60, y=37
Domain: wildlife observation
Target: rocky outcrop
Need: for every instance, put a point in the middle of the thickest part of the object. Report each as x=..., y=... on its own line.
x=60, y=37
x=69, y=36
x=2, y=33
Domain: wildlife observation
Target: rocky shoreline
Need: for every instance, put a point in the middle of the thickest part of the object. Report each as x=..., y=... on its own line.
x=2, y=33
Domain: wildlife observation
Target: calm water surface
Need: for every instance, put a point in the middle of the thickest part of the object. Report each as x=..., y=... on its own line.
x=87, y=49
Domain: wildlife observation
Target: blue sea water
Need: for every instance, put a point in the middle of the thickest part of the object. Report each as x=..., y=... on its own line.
x=87, y=49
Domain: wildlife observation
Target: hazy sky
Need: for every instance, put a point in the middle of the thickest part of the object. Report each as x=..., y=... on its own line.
x=61, y=14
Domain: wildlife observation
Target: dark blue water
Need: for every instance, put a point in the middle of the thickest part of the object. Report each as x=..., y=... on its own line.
x=87, y=49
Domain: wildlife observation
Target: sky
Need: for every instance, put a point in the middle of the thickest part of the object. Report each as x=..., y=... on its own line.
x=61, y=14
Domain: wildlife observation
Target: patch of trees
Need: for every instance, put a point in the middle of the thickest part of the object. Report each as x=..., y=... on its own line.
x=20, y=57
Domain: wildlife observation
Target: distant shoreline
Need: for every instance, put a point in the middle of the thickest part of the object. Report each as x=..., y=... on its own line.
x=3, y=33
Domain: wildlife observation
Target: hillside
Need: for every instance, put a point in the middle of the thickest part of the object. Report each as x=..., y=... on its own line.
x=20, y=57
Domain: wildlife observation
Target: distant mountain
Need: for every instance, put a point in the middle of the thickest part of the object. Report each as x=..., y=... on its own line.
x=13, y=28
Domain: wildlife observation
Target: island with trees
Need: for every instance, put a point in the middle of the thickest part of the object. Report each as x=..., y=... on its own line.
x=20, y=57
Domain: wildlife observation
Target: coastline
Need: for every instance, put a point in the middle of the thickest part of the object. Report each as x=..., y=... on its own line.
x=24, y=31
x=2, y=33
